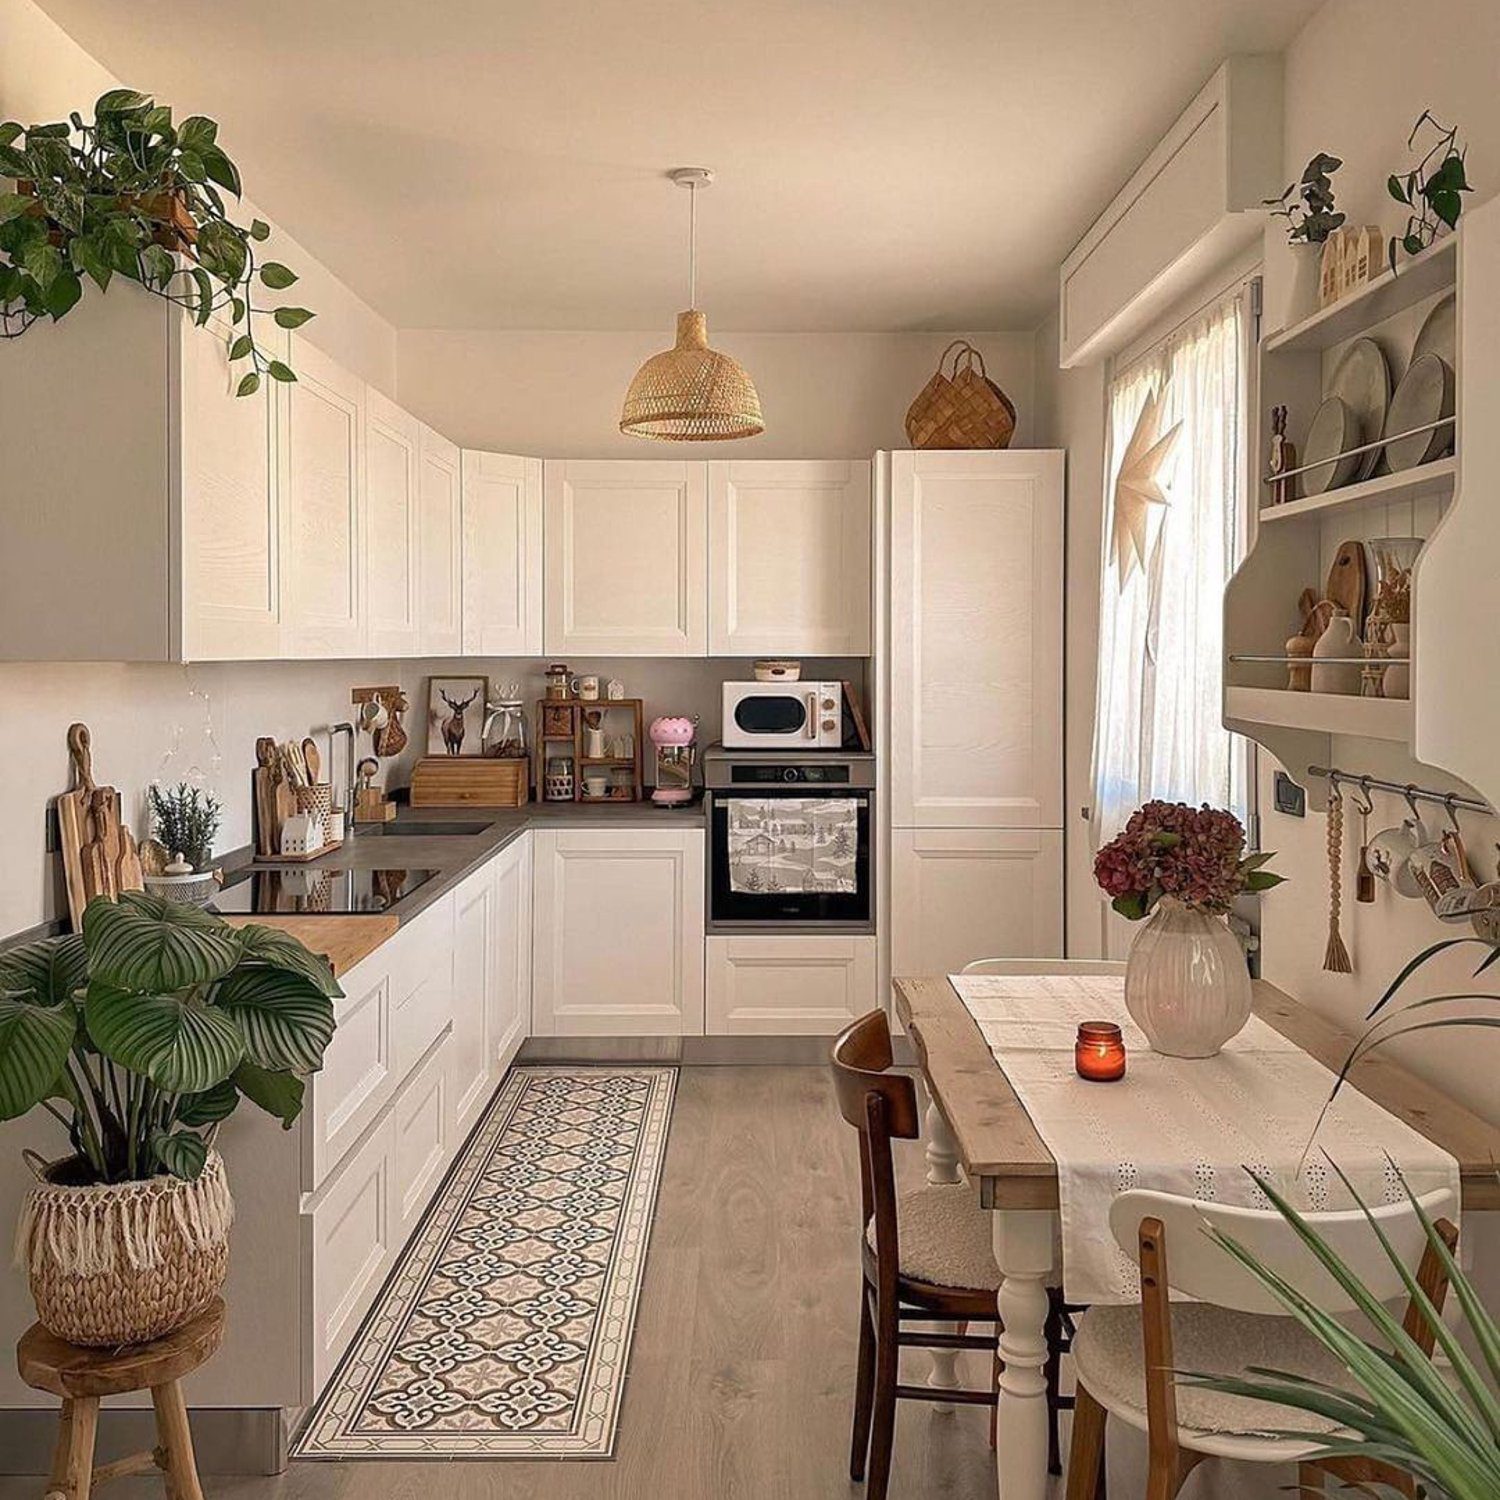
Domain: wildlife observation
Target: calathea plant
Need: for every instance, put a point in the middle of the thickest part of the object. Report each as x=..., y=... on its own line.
x=132, y=194
x=141, y=1035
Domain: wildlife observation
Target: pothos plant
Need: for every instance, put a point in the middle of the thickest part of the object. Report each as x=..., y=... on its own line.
x=142, y=1033
x=132, y=194
x=1308, y=206
x=1432, y=190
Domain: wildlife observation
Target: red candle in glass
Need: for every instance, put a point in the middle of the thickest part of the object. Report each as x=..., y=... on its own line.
x=1099, y=1052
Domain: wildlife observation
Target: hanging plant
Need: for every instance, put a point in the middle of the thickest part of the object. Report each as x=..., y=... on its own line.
x=1307, y=206
x=1432, y=190
x=131, y=194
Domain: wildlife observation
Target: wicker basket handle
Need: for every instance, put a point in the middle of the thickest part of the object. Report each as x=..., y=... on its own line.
x=37, y=1162
x=959, y=344
x=969, y=354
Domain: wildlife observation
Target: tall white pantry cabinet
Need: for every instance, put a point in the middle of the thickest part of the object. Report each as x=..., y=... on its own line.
x=969, y=662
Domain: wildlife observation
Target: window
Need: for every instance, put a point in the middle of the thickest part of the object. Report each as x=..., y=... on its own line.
x=1158, y=729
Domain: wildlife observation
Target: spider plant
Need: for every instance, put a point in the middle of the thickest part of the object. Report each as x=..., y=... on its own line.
x=140, y=1035
x=1400, y=1409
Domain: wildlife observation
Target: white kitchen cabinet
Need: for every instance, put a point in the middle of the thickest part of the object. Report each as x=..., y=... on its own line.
x=626, y=558
x=788, y=558
x=389, y=536
x=618, y=931
x=958, y=894
x=475, y=976
x=440, y=543
x=321, y=454
x=976, y=568
x=422, y=1140
x=787, y=984
x=358, y=1075
x=502, y=554
x=508, y=1021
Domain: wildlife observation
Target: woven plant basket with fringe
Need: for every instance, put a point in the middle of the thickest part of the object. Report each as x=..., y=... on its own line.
x=128, y=1262
x=964, y=409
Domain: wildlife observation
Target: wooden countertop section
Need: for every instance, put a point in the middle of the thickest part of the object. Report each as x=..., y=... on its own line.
x=999, y=1145
x=343, y=940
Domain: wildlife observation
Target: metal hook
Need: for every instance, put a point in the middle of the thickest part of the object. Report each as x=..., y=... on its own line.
x=1450, y=803
x=1411, y=799
x=1368, y=806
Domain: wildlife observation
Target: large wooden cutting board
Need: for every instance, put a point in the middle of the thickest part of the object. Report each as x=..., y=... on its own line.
x=98, y=852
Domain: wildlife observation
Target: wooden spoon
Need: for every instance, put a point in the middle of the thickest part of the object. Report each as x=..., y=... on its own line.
x=312, y=760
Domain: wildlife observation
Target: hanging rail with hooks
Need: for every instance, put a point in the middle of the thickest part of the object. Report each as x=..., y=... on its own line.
x=1408, y=789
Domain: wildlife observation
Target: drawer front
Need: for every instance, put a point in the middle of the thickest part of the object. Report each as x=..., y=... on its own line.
x=420, y=1019
x=350, y=1234
x=422, y=1137
x=358, y=1074
x=787, y=985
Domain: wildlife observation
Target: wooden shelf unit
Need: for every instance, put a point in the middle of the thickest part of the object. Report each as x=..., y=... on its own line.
x=560, y=721
x=1435, y=477
x=1322, y=713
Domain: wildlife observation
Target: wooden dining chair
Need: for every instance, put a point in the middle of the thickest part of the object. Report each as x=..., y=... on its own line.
x=1125, y=1356
x=925, y=1254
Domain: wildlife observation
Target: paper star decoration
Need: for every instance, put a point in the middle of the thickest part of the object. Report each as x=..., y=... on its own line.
x=1138, y=485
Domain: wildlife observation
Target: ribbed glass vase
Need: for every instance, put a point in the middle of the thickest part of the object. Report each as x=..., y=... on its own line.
x=1186, y=982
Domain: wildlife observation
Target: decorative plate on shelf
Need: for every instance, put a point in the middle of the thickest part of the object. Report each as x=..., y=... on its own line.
x=1363, y=383
x=1424, y=396
x=1439, y=333
x=1333, y=432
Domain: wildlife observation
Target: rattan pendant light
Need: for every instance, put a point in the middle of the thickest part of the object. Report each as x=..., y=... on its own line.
x=691, y=393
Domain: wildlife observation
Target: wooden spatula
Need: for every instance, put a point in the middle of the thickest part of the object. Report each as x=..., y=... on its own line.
x=312, y=760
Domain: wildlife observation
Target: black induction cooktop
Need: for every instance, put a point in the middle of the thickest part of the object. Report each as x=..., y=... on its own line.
x=312, y=890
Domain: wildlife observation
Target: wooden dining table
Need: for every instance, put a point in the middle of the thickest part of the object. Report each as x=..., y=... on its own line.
x=976, y=1123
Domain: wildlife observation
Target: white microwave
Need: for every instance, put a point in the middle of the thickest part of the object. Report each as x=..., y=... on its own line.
x=783, y=715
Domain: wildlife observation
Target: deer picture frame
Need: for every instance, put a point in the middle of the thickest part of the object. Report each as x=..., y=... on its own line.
x=455, y=715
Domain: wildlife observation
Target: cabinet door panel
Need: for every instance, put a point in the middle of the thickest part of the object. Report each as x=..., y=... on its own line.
x=619, y=932
x=510, y=1007
x=787, y=985
x=474, y=981
x=322, y=464
x=789, y=558
x=976, y=639
x=388, y=538
x=441, y=547
x=626, y=557
x=961, y=894
x=502, y=588
x=421, y=1137
x=231, y=524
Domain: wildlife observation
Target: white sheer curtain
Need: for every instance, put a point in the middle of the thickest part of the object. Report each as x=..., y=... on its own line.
x=1157, y=725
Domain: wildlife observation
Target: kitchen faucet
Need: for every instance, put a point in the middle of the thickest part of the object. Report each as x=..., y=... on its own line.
x=336, y=730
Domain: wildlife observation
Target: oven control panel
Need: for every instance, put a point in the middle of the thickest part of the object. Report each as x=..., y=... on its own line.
x=764, y=775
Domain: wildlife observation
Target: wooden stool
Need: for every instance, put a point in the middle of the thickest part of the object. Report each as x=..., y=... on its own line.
x=82, y=1376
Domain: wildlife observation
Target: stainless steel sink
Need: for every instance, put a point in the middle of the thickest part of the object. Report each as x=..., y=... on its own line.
x=422, y=830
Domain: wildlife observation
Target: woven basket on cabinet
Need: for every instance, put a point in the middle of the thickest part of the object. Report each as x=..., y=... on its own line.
x=963, y=410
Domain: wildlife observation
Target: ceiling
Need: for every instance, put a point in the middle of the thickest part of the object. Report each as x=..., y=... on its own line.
x=882, y=165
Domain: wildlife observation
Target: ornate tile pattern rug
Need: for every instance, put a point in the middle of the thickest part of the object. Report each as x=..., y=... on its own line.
x=504, y=1331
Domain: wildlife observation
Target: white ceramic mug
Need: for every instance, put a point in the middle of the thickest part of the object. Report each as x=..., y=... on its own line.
x=586, y=687
x=596, y=786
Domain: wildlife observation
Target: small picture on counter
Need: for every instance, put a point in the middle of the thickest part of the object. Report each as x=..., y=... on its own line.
x=455, y=715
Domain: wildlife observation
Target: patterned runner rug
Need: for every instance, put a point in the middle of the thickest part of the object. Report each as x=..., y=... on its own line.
x=504, y=1331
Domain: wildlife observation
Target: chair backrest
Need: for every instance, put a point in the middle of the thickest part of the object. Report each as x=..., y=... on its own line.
x=1044, y=966
x=1200, y=1267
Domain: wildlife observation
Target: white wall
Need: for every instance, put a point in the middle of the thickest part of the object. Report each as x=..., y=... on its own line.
x=835, y=395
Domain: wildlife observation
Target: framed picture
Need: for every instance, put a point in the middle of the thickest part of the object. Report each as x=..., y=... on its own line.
x=455, y=714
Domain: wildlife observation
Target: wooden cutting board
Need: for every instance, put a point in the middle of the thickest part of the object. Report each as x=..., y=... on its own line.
x=99, y=856
x=1346, y=582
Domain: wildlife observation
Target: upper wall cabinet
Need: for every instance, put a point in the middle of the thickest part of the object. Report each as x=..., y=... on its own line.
x=440, y=545
x=626, y=558
x=788, y=558
x=389, y=537
x=502, y=554
x=322, y=495
x=976, y=639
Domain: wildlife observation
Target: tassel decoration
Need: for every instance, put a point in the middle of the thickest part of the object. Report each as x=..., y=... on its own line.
x=1336, y=957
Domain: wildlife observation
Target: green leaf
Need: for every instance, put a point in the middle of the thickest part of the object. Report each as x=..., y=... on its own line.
x=259, y=230
x=211, y=1106
x=92, y=260
x=34, y=1044
x=12, y=204
x=242, y=346
x=1262, y=880
x=237, y=309
x=204, y=282
x=1412, y=244
x=177, y=1041
x=286, y=1020
x=1447, y=204
x=197, y=132
x=157, y=265
x=43, y=261
x=221, y=170
x=277, y=276
x=1132, y=906
x=190, y=164
x=183, y=1153
x=249, y=385
x=279, y=1094
x=50, y=970
x=292, y=317
x=117, y=100
x=278, y=371
x=272, y=947
x=63, y=294
x=149, y=944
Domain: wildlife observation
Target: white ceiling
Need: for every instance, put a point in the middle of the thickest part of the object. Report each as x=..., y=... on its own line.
x=882, y=164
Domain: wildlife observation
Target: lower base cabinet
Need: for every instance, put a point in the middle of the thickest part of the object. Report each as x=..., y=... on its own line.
x=958, y=894
x=786, y=984
x=618, y=931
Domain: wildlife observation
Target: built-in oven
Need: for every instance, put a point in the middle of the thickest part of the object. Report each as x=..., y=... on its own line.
x=791, y=840
x=783, y=715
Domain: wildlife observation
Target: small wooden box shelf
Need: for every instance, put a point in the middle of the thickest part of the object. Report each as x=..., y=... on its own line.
x=561, y=722
x=479, y=781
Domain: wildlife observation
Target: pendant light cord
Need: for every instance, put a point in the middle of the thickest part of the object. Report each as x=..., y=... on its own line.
x=692, y=245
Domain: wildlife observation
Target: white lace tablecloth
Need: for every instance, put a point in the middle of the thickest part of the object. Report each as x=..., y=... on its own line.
x=1179, y=1125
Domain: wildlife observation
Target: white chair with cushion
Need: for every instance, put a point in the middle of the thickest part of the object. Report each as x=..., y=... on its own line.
x=1124, y=1356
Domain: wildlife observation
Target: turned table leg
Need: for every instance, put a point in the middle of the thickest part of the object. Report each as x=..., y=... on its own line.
x=942, y=1167
x=1023, y=1240
x=177, y=1439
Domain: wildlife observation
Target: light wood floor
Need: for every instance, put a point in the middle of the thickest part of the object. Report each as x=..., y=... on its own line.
x=742, y=1371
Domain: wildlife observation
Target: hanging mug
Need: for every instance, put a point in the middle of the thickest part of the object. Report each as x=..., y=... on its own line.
x=1391, y=853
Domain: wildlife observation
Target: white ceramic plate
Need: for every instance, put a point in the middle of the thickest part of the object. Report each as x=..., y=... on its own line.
x=1424, y=395
x=1332, y=433
x=1363, y=383
x=1439, y=334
